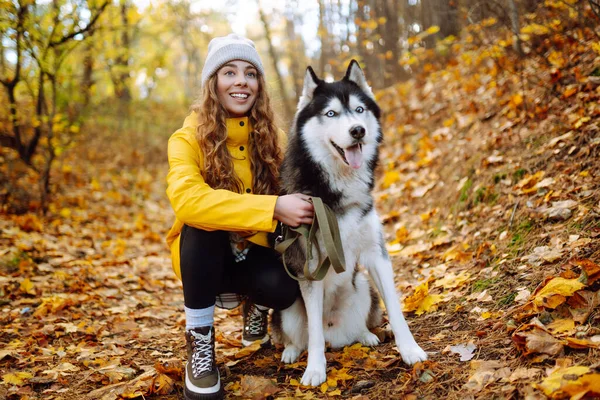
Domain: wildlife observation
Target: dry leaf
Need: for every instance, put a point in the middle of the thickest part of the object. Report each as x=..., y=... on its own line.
x=466, y=351
x=532, y=338
x=556, y=291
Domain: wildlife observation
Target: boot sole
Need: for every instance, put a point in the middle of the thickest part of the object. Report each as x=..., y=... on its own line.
x=265, y=339
x=189, y=395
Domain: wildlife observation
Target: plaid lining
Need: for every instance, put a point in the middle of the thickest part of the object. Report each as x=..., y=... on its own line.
x=239, y=249
x=229, y=301
x=239, y=246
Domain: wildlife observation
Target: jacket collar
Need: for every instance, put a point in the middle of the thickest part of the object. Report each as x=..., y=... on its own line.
x=238, y=130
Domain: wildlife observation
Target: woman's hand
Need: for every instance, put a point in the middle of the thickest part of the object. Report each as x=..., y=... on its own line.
x=294, y=209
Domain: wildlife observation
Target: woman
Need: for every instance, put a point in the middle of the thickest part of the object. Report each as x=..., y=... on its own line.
x=223, y=185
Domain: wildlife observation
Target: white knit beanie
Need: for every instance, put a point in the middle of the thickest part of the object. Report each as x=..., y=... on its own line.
x=223, y=49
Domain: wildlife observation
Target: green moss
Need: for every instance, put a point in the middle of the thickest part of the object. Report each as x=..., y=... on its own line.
x=507, y=300
x=464, y=191
x=481, y=285
x=519, y=174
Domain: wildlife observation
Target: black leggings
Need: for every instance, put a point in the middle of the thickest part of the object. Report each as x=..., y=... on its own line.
x=208, y=269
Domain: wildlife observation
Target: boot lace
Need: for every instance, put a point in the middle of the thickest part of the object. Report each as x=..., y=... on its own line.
x=202, y=353
x=255, y=321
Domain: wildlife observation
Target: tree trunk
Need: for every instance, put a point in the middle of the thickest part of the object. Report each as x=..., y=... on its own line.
x=324, y=37
x=275, y=59
x=514, y=22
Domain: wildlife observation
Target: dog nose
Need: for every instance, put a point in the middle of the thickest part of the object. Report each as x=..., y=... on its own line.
x=357, y=131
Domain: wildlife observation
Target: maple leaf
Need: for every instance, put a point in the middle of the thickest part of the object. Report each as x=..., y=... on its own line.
x=27, y=286
x=555, y=292
x=562, y=381
x=534, y=338
x=421, y=301
x=17, y=378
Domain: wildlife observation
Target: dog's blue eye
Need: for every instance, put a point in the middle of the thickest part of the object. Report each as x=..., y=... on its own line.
x=331, y=113
x=359, y=109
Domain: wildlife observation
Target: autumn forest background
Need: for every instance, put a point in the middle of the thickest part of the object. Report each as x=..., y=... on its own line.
x=487, y=188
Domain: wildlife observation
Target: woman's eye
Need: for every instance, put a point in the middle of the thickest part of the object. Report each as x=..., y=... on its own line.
x=359, y=109
x=331, y=113
x=252, y=74
x=229, y=73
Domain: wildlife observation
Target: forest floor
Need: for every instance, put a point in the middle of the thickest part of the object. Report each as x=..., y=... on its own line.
x=488, y=191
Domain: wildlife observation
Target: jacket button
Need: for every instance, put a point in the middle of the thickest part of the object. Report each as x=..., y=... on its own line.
x=241, y=148
x=248, y=190
x=241, y=123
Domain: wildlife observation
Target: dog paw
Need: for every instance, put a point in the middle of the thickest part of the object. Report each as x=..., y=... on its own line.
x=369, y=339
x=413, y=354
x=290, y=354
x=314, y=376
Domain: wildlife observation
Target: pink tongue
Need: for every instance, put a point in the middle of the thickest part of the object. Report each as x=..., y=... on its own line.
x=354, y=156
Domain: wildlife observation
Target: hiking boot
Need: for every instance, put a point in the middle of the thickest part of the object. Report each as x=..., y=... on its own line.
x=202, y=380
x=255, y=324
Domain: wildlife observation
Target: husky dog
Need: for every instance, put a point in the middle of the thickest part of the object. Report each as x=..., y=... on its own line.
x=332, y=154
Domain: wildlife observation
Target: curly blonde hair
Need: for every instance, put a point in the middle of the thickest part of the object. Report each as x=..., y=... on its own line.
x=265, y=154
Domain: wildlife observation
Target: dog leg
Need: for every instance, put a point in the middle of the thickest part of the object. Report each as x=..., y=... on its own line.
x=315, y=373
x=293, y=327
x=380, y=268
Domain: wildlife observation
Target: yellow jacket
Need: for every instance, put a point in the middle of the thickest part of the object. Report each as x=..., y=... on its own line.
x=198, y=205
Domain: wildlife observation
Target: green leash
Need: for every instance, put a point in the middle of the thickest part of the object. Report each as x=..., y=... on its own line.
x=326, y=223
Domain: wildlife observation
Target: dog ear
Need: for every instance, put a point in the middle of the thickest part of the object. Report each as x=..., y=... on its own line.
x=311, y=81
x=356, y=75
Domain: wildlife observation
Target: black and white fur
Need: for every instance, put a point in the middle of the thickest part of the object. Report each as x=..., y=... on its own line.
x=323, y=160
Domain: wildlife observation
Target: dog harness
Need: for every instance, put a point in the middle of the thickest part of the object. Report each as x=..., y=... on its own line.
x=326, y=223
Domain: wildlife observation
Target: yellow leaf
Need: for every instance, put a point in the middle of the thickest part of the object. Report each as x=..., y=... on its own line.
x=18, y=378
x=552, y=383
x=433, y=29
x=65, y=213
x=527, y=184
x=27, y=286
x=247, y=351
x=516, y=100
x=486, y=315
x=535, y=29
x=580, y=122
x=421, y=301
x=561, y=325
x=556, y=59
x=429, y=303
x=324, y=387
x=557, y=286
x=451, y=280
x=294, y=382
x=390, y=178
x=95, y=184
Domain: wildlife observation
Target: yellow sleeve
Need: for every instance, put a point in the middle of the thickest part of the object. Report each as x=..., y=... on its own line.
x=196, y=204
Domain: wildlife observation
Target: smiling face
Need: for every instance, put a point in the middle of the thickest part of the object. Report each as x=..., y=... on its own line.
x=237, y=87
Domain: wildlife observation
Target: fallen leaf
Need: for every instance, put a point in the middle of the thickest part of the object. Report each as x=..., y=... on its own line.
x=561, y=326
x=248, y=350
x=466, y=351
x=531, y=338
x=555, y=292
x=453, y=281
x=421, y=301
x=17, y=378
x=27, y=286
x=568, y=381
x=257, y=387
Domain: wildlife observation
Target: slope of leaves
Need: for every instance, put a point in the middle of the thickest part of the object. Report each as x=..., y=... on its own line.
x=488, y=193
